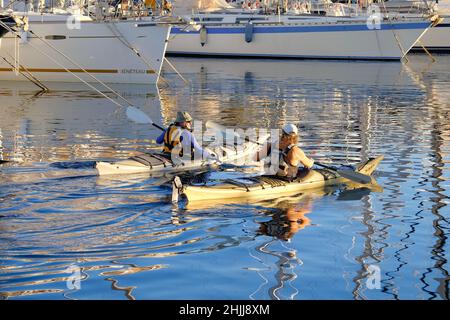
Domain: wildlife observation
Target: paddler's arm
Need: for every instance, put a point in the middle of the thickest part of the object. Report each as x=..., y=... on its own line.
x=188, y=140
x=297, y=155
x=264, y=153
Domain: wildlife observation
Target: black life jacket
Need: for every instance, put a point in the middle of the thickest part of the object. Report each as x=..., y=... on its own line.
x=285, y=169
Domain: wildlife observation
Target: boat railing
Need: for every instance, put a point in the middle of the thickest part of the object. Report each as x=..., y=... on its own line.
x=99, y=11
x=10, y=4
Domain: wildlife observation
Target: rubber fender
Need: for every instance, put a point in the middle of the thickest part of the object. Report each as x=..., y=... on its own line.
x=203, y=35
x=249, y=32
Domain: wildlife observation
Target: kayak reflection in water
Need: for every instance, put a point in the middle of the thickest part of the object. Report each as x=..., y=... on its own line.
x=179, y=140
x=279, y=276
x=288, y=221
x=288, y=156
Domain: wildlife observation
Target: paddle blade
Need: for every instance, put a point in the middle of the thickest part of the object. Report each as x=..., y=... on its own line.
x=138, y=116
x=355, y=176
x=215, y=126
x=355, y=194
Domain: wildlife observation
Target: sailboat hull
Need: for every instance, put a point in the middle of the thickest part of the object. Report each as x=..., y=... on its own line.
x=437, y=38
x=310, y=39
x=114, y=52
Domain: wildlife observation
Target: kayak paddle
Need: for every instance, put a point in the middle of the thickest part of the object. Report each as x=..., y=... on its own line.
x=138, y=116
x=349, y=174
x=218, y=127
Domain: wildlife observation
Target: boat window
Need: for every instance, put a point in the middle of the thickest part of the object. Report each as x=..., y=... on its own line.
x=212, y=19
x=55, y=37
x=238, y=20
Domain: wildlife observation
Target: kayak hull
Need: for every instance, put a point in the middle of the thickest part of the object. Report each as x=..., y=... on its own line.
x=130, y=167
x=149, y=162
x=270, y=187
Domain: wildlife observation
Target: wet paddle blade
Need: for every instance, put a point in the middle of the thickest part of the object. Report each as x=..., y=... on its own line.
x=215, y=126
x=355, y=194
x=138, y=116
x=355, y=176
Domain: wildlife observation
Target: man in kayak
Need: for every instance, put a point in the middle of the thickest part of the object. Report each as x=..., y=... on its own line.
x=289, y=155
x=178, y=139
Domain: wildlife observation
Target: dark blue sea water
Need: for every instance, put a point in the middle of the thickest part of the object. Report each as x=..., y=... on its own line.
x=66, y=233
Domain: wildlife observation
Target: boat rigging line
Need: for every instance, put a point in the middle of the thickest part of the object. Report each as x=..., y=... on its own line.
x=116, y=32
x=18, y=36
x=16, y=66
x=127, y=44
x=81, y=68
x=27, y=75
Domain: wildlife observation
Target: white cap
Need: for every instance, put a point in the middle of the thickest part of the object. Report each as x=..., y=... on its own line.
x=290, y=129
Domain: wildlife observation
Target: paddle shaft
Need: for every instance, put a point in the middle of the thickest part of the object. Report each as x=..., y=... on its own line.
x=220, y=128
x=325, y=166
x=349, y=174
x=158, y=126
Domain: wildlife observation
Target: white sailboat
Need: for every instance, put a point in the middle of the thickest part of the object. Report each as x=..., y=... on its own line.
x=68, y=46
x=227, y=33
x=438, y=38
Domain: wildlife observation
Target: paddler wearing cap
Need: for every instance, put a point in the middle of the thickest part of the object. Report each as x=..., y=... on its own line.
x=290, y=156
x=178, y=137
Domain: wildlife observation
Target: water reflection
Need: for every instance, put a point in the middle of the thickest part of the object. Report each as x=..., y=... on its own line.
x=286, y=264
x=131, y=243
x=70, y=122
x=288, y=219
x=290, y=89
x=379, y=239
x=288, y=216
x=292, y=92
x=440, y=136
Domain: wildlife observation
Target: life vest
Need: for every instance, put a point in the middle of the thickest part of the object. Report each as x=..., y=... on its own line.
x=172, y=138
x=285, y=169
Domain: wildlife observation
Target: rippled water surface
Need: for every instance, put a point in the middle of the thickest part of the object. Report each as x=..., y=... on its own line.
x=60, y=222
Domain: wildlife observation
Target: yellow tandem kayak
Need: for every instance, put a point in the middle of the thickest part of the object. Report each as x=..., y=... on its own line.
x=253, y=188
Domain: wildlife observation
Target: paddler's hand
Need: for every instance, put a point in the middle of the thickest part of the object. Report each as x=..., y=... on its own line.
x=212, y=156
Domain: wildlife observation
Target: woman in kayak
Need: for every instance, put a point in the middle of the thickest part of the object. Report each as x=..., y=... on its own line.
x=290, y=156
x=178, y=137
